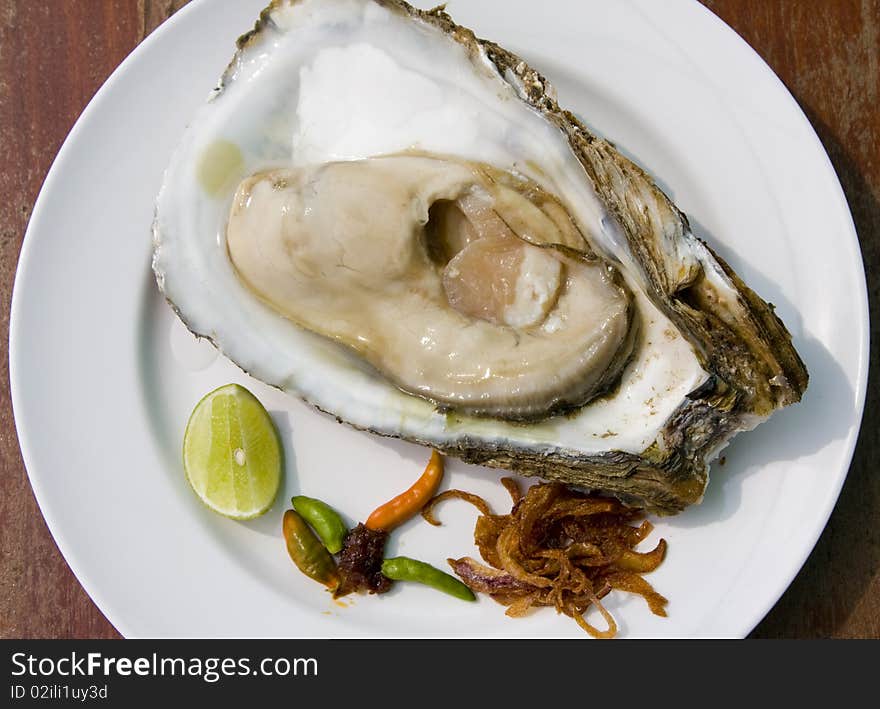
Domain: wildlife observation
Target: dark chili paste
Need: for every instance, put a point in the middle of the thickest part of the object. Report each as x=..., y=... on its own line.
x=360, y=562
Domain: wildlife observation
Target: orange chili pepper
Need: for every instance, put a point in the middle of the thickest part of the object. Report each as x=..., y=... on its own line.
x=407, y=504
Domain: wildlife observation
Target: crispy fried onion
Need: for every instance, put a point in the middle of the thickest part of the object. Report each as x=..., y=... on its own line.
x=562, y=548
x=475, y=500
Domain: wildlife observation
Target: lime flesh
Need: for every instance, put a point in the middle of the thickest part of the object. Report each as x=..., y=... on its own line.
x=232, y=453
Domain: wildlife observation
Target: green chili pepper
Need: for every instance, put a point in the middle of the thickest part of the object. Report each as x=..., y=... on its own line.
x=323, y=519
x=402, y=568
x=307, y=552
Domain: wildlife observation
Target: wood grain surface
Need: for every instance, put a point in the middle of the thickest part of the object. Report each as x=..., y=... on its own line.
x=55, y=55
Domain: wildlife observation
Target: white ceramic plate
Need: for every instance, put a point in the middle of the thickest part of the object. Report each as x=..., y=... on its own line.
x=104, y=377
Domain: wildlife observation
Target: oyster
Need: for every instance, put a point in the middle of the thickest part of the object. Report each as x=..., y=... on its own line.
x=394, y=220
x=453, y=285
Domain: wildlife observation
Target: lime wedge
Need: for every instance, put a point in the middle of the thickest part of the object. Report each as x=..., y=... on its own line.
x=232, y=453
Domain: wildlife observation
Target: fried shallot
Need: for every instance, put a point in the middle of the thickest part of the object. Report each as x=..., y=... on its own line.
x=559, y=547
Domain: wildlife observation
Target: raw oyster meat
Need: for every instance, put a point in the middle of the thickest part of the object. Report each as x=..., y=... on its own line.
x=396, y=221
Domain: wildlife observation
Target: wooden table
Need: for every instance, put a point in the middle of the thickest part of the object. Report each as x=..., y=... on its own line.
x=54, y=56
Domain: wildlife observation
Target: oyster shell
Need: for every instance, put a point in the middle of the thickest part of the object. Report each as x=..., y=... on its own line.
x=317, y=82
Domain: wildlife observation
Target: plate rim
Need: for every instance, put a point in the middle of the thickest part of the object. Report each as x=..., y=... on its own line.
x=795, y=566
